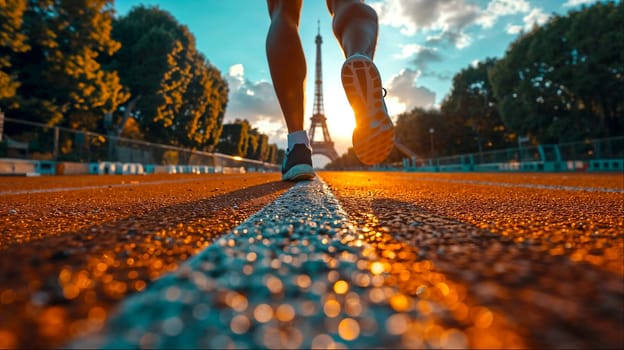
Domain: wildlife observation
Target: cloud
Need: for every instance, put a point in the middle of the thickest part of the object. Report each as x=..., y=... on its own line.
x=446, y=21
x=256, y=102
x=572, y=3
x=459, y=38
x=408, y=50
x=404, y=94
x=446, y=18
x=514, y=29
x=536, y=17
x=499, y=8
x=421, y=57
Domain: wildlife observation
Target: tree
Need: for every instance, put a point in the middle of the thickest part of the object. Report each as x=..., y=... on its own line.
x=154, y=62
x=413, y=131
x=281, y=154
x=131, y=130
x=62, y=81
x=183, y=97
x=12, y=41
x=471, y=106
x=563, y=81
x=599, y=71
x=212, y=121
x=204, y=105
x=240, y=139
x=262, y=153
x=234, y=138
x=272, y=154
x=252, y=144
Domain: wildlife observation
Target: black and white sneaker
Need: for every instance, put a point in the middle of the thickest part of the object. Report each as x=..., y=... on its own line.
x=298, y=164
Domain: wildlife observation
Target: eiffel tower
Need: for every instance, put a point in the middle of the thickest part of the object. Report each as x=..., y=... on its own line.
x=326, y=146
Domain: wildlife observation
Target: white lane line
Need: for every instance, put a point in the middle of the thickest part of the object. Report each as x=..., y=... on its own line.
x=525, y=185
x=97, y=187
x=269, y=283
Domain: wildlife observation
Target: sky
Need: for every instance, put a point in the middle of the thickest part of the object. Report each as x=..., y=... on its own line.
x=422, y=44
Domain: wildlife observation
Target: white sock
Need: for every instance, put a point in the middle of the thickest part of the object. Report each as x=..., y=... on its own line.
x=360, y=55
x=298, y=137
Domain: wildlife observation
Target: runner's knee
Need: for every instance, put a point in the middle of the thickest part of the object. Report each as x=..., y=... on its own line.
x=285, y=9
x=347, y=11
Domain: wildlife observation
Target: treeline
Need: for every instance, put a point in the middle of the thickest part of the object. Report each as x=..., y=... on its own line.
x=240, y=139
x=561, y=82
x=74, y=64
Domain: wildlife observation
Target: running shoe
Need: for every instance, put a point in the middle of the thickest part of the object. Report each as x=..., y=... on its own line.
x=298, y=164
x=373, y=137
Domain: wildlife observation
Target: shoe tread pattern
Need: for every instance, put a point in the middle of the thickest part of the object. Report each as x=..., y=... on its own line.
x=373, y=137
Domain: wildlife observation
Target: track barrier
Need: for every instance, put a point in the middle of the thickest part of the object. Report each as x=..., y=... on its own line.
x=41, y=149
x=603, y=155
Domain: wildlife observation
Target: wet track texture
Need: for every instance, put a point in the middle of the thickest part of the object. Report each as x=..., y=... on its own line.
x=451, y=260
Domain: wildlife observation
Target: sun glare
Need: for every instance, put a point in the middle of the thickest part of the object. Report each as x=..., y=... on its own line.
x=395, y=106
x=340, y=119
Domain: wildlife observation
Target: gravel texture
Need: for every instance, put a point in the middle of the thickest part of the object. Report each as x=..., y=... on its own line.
x=548, y=262
x=68, y=257
x=393, y=260
x=294, y=275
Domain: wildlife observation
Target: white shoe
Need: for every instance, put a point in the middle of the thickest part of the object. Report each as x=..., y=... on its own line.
x=373, y=137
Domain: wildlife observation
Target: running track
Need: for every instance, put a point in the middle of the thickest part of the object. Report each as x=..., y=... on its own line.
x=356, y=259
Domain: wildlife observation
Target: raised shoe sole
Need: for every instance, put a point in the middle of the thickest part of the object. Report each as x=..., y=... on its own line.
x=373, y=137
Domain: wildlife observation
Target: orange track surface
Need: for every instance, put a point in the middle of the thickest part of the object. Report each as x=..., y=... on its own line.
x=515, y=266
x=67, y=257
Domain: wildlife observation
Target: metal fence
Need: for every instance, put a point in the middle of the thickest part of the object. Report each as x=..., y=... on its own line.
x=25, y=140
x=591, y=155
x=39, y=142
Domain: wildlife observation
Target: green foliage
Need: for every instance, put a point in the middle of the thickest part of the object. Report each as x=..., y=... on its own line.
x=183, y=96
x=234, y=139
x=272, y=154
x=413, y=130
x=12, y=41
x=240, y=139
x=252, y=145
x=564, y=81
x=154, y=53
x=472, y=109
x=263, y=152
x=281, y=154
x=204, y=105
x=61, y=77
x=70, y=63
